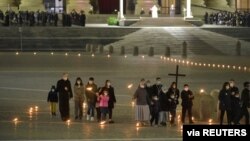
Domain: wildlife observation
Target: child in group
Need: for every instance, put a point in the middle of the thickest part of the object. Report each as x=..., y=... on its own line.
x=104, y=99
x=53, y=100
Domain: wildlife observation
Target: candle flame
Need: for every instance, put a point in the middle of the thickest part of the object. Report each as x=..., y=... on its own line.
x=130, y=86
x=15, y=119
x=89, y=88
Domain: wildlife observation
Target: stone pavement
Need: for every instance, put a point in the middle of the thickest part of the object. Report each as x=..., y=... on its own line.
x=26, y=79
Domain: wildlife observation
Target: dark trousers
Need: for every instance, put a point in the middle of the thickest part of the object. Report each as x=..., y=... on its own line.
x=244, y=112
x=154, y=117
x=91, y=108
x=173, y=115
x=228, y=116
x=110, y=113
x=98, y=114
x=183, y=115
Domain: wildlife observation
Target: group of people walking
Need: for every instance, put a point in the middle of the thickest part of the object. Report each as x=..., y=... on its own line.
x=99, y=99
x=160, y=103
x=236, y=106
x=155, y=104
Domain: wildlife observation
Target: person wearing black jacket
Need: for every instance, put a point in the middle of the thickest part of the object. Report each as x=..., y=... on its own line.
x=225, y=103
x=112, y=99
x=65, y=94
x=149, y=89
x=187, y=103
x=245, y=101
x=157, y=87
x=82, y=19
x=235, y=102
x=53, y=100
x=91, y=93
x=164, y=106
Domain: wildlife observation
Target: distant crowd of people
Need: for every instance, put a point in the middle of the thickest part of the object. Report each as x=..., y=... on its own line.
x=228, y=18
x=153, y=103
x=40, y=18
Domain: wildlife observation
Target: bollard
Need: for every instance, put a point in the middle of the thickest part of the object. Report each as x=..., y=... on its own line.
x=238, y=48
x=151, y=52
x=100, y=49
x=111, y=49
x=167, y=52
x=87, y=47
x=136, y=51
x=122, y=51
x=93, y=48
x=184, y=49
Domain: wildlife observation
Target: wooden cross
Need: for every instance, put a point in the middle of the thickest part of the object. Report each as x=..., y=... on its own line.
x=177, y=74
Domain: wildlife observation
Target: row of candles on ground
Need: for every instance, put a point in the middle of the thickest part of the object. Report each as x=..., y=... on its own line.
x=31, y=110
x=186, y=62
x=177, y=61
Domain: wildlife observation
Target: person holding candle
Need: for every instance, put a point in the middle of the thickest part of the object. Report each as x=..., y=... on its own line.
x=164, y=107
x=91, y=97
x=187, y=103
x=65, y=94
x=79, y=98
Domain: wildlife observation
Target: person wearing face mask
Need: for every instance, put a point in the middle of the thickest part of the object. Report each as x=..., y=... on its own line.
x=112, y=99
x=79, y=98
x=53, y=100
x=164, y=106
x=235, y=101
x=245, y=102
x=91, y=93
x=225, y=103
x=65, y=94
x=157, y=87
x=187, y=104
x=104, y=100
x=141, y=109
x=172, y=101
x=155, y=111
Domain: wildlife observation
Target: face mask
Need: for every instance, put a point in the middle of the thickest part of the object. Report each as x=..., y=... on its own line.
x=78, y=82
x=142, y=86
x=155, y=98
x=90, y=82
x=227, y=87
x=108, y=84
x=231, y=84
x=174, y=86
x=148, y=84
x=52, y=90
x=186, y=89
x=158, y=82
x=65, y=78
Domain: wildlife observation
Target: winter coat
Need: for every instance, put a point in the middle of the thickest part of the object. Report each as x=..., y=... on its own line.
x=187, y=101
x=163, y=99
x=52, y=97
x=91, y=94
x=225, y=99
x=79, y=93
x=245, y=98
x=141, y=96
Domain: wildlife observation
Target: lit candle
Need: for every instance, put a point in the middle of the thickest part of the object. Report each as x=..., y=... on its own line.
x=102, y=122
x=202, y=90
x=161, y=57
x=66, y=54
x=15, y=120
x=68, y=122
x=93, y=55
x=210, y=121
x=79, y=54
x=34, y=53
x=52, y=53
x=143, y=56
x=17, y=53
x=108, y=56
x=138, y=124
x=130, y=86
x=192, y=118
x=89, y=88
x=31, y=110
x=36, y=108
x=125, y=56
x=84, y=105
x=133, y=103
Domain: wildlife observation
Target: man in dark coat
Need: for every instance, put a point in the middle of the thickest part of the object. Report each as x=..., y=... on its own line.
x=65, y=94
x=245, y=101
x=157, y=87
x=187, y=103
x=235, y=101
x=112, y=98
